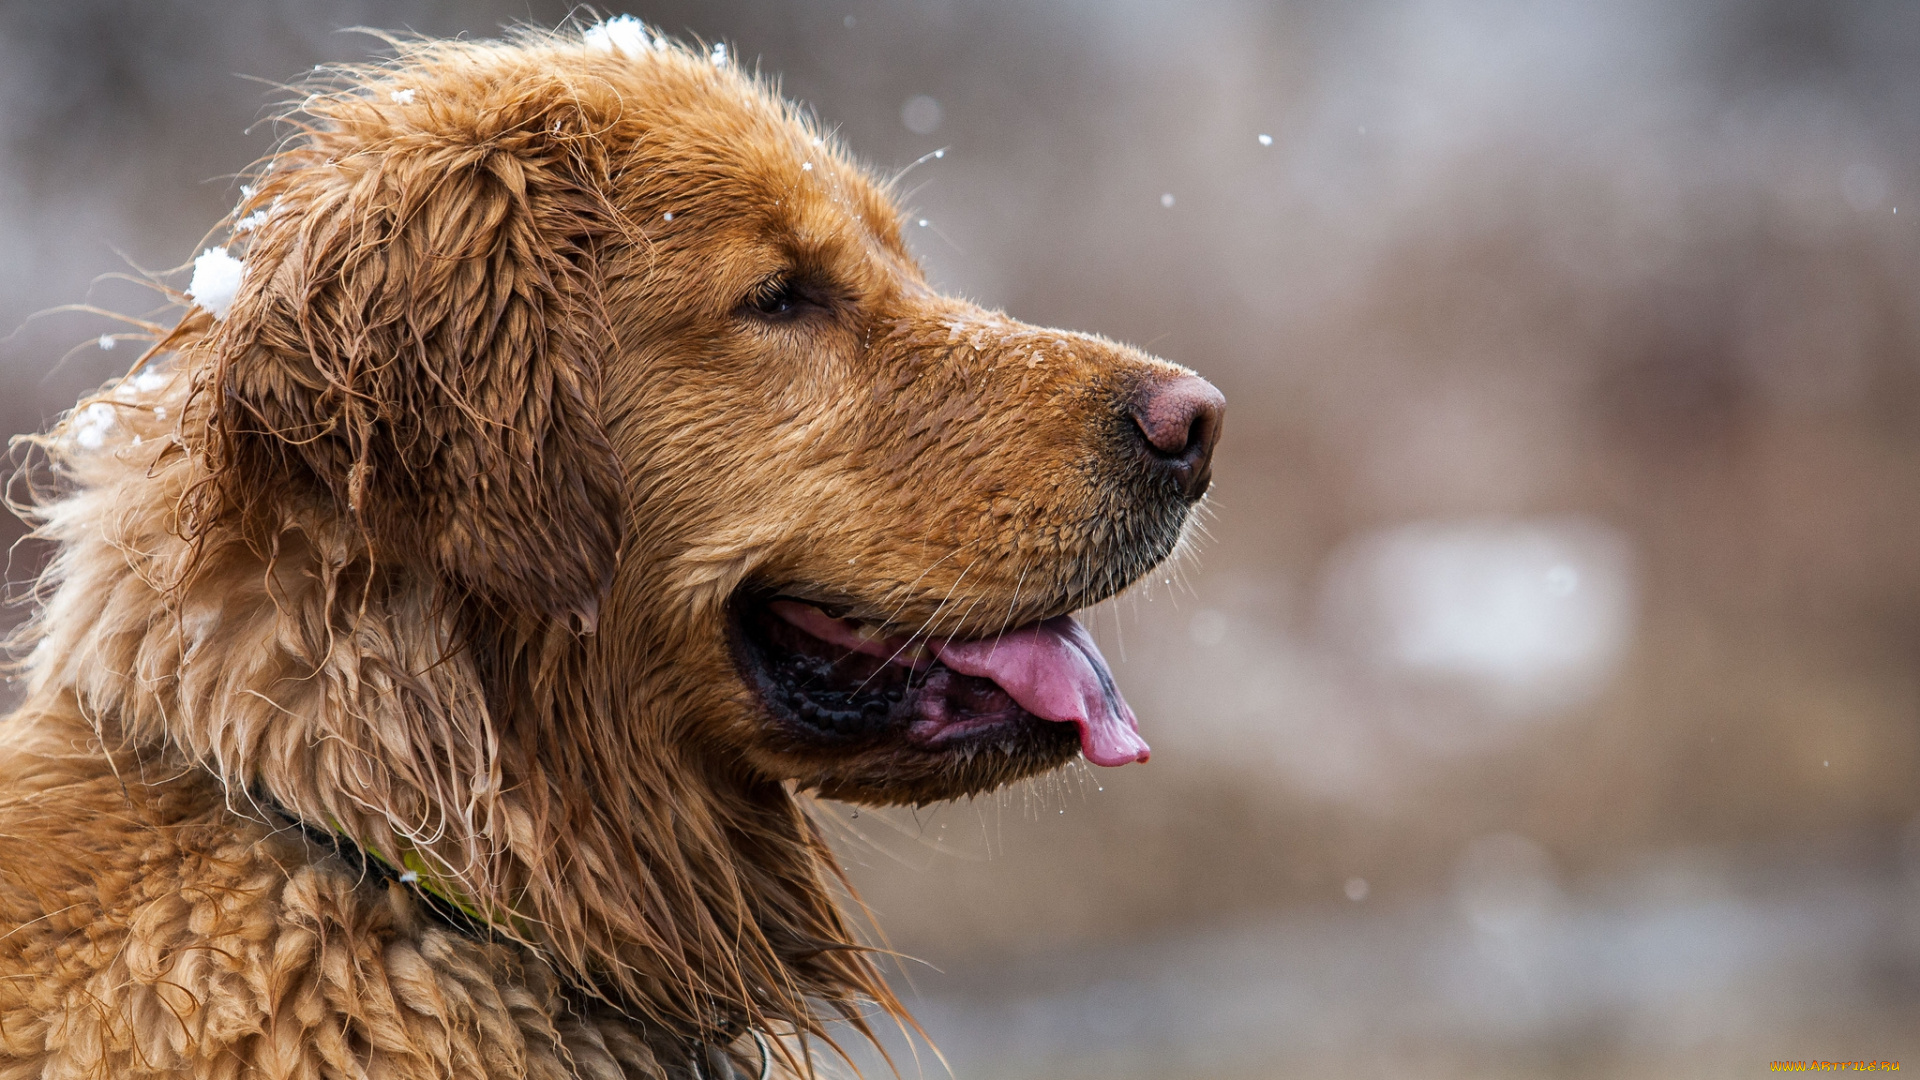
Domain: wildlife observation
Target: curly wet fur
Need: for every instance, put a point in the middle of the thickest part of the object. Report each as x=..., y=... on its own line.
x=421, y=544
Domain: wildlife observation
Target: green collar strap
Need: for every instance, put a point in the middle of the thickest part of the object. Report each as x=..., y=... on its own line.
x=443, y=890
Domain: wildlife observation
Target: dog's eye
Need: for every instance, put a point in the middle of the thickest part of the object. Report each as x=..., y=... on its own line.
x=775, y=296
x=781, y=297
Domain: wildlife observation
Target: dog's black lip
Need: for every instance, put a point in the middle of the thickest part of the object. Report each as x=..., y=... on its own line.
x=748, y=663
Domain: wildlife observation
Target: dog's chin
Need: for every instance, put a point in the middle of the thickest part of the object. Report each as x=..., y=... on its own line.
x=870, y=719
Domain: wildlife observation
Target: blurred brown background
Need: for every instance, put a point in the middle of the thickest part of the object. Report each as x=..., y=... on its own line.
x=1547, y=700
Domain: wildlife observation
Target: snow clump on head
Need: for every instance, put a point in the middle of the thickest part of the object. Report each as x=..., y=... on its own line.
x=143, y=382
x=625, y=35
x=216, y=281
x=91, y=424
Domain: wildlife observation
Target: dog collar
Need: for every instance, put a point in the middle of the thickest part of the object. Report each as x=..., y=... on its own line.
x=439, y=890
x=442, y=894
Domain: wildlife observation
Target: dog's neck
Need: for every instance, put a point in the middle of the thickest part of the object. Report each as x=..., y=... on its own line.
x=374, y=708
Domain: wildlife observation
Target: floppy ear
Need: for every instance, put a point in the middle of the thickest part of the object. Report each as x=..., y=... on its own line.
x=419, y=340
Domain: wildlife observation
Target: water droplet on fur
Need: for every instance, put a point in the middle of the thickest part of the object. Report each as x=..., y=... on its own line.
x=668, y=216
x=806, y=167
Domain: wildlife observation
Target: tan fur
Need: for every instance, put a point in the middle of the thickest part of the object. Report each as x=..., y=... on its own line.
x=430, y=542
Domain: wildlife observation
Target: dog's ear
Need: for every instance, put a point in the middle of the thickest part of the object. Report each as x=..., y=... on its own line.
x=419, y=341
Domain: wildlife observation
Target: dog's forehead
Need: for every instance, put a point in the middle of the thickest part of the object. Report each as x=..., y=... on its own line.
x=751, y=156
x=833, y=211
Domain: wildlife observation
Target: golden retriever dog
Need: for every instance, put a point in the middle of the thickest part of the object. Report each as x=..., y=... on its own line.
x=562, y=474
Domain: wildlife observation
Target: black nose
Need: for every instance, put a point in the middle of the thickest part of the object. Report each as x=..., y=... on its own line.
x=1179, y=420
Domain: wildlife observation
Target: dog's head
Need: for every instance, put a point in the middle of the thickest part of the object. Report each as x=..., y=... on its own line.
x=580, y=465
x=604, y=336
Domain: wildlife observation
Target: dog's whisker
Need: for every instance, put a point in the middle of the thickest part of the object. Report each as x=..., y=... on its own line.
x=927, y=624
x=908, y=590
x=1006, y=620
x=912, y=639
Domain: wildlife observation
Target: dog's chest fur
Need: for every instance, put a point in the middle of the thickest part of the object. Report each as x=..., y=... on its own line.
x=152, y=930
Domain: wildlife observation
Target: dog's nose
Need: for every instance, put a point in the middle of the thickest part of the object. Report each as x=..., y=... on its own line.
x=1179, y=419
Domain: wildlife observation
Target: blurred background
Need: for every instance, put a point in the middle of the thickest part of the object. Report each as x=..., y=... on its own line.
x=1546, y=701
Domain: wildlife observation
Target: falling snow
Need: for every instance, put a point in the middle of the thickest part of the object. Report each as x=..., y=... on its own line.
x=921, y=114
x=402, y=97
x=1167, y=200
x=107, y=342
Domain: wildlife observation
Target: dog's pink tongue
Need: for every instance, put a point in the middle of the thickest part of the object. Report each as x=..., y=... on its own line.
x=1055, y=671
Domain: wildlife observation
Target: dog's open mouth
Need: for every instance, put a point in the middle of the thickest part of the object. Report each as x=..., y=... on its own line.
x=837, y=681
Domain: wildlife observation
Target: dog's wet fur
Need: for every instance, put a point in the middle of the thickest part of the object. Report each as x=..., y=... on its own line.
x=556, y=362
